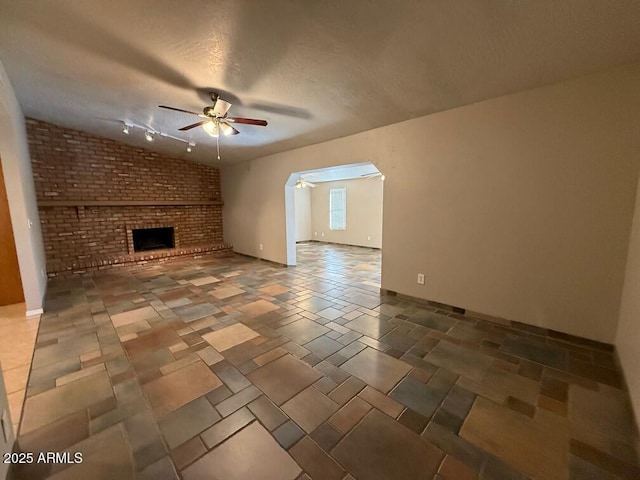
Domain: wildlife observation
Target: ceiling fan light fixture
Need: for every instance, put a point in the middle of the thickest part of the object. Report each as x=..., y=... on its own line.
x=226, y=129
x=211, y=128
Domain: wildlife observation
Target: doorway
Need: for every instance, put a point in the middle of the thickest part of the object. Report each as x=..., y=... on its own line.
x=10, y=280
x=339, y=205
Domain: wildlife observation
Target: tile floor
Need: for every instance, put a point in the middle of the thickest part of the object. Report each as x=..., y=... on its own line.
x=17, y=341
x=235, y=368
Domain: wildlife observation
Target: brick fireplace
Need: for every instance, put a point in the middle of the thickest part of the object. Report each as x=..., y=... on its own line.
x=93, y=193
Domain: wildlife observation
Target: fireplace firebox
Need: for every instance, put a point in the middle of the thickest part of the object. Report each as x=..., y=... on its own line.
x=152, y=238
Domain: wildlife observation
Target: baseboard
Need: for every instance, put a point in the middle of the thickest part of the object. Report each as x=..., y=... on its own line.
x=338, y=243
x=37, y=311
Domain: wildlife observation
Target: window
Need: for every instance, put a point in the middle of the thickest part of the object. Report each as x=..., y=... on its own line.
x=338, y=209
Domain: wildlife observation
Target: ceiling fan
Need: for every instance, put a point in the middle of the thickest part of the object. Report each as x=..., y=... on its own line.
x=302, y=183
x=216, y=120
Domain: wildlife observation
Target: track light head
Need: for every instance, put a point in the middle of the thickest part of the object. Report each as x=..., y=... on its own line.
x=125, y=128
x=148, y=135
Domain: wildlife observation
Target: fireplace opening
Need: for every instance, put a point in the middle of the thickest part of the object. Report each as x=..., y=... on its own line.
x=152, y=238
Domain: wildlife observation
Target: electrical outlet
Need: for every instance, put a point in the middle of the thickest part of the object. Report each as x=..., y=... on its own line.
x=323, y=234
x=29, y=223
x=315, y=234
x=42, y=274
x=261, y=247
x=421, y=279
x=368, y=237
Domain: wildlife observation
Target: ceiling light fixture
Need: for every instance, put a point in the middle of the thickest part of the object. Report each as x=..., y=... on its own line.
x=150, y=134
x=211, y=127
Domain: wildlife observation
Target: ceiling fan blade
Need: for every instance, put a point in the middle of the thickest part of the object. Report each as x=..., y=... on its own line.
x=193, y=125
x=221, y=107
x=312, y=185
x=248, y=121
x=178, y=110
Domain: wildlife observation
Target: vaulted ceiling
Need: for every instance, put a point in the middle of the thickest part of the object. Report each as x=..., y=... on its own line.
x=314, y=69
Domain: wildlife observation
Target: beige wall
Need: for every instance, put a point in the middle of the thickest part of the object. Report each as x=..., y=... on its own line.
x=303, y=214
x=364, y=213
x=628, y=336
x=16, y=165
x=518, y=207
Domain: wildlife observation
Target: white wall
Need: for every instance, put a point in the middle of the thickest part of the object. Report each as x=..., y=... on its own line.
x=628, y=336
x=303, y=214
x=364, y=212
x=16, y=165
x=518, y=207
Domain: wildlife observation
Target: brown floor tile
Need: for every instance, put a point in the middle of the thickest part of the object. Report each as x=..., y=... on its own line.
x=229, y=337
x=461, y=360
x=327, y=436
x=302, y=331
x=132, y=316
x=268, y=414
x=347, y=390
x=188, y=421
x=310, y=408
x=383, y=403
x=521, y=441
x=188, y=452
x=269, y=356
x=105, y=456
x=380, y=448
x=288, y=434
x=453, y=469
x=323, y=346
x=238, y=400
x=257, y=308
x=349, y=415
x=413, y=421
x=226, y=427
x=370, y=326
x=376, y=369
x=315, y=461
x=167, y=393
x=53, y=405
x=422, y=398
x=251, y=453
x=283, y=378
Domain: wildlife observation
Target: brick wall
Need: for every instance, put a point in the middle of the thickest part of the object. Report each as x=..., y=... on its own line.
x=72, y=166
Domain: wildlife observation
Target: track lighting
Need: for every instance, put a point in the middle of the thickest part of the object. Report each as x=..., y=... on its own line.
x=150, y=134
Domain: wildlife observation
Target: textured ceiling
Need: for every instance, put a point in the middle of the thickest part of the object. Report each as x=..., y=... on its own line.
x=315, y=69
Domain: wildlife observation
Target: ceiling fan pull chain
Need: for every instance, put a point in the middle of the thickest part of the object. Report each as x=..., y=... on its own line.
x=218, y=145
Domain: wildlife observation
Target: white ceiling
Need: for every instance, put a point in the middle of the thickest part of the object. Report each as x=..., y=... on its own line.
x=314, y=69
